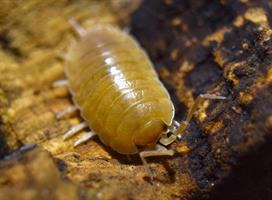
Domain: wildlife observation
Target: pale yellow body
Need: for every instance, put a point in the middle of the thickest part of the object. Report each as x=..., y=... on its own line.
x=114, y=85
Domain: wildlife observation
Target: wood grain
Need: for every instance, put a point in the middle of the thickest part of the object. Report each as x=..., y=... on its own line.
x=196, y=47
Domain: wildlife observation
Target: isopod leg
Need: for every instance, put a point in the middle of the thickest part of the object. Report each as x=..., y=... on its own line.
x=60, y=83
x=74, y=130
x=184, y=124
x=84, y=138
x=168, y=140
x=159, y=150
x=77, y=27
x=67, y=111
x=172, y=129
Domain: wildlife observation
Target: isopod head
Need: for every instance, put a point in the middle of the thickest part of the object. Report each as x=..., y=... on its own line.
x=150, y=133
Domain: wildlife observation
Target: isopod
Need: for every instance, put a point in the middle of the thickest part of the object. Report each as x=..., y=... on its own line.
x=119, y=95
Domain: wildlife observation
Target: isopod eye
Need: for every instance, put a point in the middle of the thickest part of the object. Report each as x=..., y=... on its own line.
x=149, y=133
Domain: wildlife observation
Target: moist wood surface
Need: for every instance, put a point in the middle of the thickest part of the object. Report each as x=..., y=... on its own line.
x=197, y=47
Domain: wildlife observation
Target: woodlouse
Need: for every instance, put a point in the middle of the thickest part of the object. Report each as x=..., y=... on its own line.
x=119, y=94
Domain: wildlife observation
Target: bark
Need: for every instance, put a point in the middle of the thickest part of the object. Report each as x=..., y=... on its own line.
x=219, y=47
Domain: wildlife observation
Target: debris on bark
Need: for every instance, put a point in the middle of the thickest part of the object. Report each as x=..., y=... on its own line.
x=218, y=47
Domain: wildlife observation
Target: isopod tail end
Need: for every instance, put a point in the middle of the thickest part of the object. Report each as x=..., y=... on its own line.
x=77, y=27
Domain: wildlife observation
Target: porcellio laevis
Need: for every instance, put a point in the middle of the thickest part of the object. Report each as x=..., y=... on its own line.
x=119, y=95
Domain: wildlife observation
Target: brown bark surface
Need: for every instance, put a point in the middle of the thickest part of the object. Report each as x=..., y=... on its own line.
x=219, y=47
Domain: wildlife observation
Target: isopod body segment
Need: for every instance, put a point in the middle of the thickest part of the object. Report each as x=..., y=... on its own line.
x=118, y=92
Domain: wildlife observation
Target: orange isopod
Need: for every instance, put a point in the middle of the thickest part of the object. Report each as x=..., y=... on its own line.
x=119, y=94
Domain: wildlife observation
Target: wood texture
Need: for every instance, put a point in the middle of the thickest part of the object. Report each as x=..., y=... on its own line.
x=212, y=46
x=197, y=47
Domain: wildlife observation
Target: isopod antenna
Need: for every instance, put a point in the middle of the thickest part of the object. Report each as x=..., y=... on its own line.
x=178, y=128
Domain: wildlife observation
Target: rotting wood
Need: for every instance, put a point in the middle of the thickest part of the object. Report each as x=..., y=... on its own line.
x=221, y=47
x=205, y=47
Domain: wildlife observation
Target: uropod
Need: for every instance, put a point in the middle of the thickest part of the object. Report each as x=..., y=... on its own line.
x=119, y=95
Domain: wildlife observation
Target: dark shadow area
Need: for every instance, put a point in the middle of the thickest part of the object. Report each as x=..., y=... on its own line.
x=4, y=149
x=201, y=162
x=180, y=108
x=6, y=44
x=153, y=25
x=251, y=179
x=267, y=4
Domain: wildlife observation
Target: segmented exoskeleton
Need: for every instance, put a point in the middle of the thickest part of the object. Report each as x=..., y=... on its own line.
x=118, y=93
